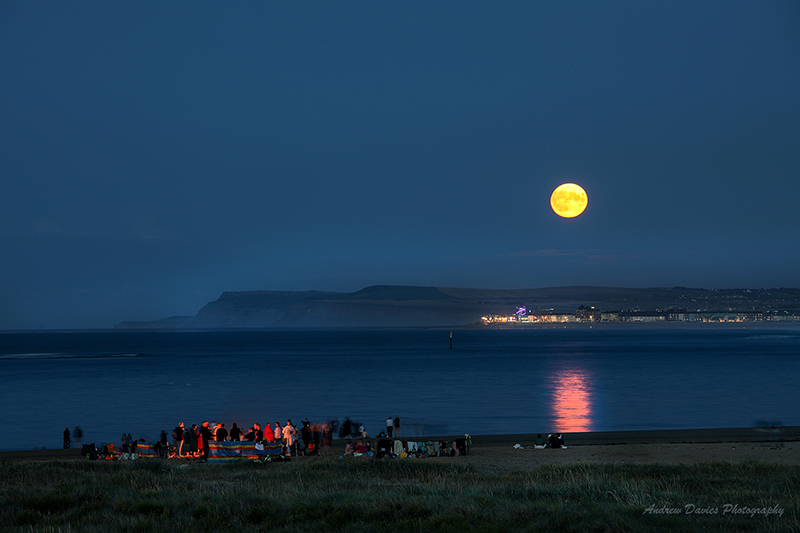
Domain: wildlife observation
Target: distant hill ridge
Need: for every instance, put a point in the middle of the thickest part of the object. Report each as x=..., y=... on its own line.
x=399, y=292
x=414, y=306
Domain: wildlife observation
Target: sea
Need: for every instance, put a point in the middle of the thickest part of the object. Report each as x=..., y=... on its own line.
x=480, y=381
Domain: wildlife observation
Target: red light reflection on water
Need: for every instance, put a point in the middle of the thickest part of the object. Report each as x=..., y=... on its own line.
x=572, y=406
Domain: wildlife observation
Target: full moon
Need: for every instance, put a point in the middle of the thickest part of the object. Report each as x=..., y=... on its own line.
x=568, y=200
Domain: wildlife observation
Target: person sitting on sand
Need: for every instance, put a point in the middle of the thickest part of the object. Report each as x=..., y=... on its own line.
x=560, y=439
x=539, y=442
x=552, y=441
x=360, y=446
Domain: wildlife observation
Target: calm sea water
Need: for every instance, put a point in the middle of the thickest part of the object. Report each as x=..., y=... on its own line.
x=492, y=381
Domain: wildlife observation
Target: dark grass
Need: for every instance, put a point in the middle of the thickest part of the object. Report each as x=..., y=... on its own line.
x=389, y=495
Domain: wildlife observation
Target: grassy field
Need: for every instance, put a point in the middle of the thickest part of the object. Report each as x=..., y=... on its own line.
x=330, y=494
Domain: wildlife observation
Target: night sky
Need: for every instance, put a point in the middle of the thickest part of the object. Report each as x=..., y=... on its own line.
x=156, y=154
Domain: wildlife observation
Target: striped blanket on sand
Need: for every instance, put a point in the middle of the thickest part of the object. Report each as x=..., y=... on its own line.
x=229, y=452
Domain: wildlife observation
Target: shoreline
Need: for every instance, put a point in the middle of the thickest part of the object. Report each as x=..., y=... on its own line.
x=654, y=436
x=498, y=452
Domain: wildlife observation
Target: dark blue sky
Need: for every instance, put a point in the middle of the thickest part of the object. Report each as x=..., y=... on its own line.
x=156, y=154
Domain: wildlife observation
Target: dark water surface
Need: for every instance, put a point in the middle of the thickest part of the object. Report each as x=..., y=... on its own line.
x=492, y=381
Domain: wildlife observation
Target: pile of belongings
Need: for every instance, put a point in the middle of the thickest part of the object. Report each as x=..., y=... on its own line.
x=403, y=448
x=105, y=452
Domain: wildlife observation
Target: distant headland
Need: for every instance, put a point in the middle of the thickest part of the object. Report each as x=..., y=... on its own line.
x=391, y=306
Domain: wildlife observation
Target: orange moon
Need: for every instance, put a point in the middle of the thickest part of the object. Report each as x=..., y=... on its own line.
x=569, y=200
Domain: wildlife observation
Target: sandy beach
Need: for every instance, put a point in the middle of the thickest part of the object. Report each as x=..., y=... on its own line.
x=499, y=452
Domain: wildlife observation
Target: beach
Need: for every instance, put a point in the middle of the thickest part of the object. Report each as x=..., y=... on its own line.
x=701, y=480
x=498, y=453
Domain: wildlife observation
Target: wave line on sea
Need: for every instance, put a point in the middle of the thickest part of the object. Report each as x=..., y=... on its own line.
x=32, y=356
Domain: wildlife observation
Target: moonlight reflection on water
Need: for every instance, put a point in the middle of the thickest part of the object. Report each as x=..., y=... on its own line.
x=572, y=406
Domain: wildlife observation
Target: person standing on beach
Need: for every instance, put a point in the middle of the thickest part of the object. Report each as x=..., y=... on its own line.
x=396, y=425
x=278, y=432
x=67, y=440
x=192, y=440
x=163, y=445
x=288, y=436
x=205, y=433
x=305, y=432
x=177, y=438
x=236, y=433
x=389, y=427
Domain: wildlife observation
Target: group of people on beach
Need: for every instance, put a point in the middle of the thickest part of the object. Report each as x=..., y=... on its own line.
x=192, y=441
x=308, y=439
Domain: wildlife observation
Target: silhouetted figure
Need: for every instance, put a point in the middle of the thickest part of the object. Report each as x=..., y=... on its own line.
x=205, y=433
x=236, y=433
x=193, y=440
x=222, y=433
x=67, y=441
x=162, y=446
